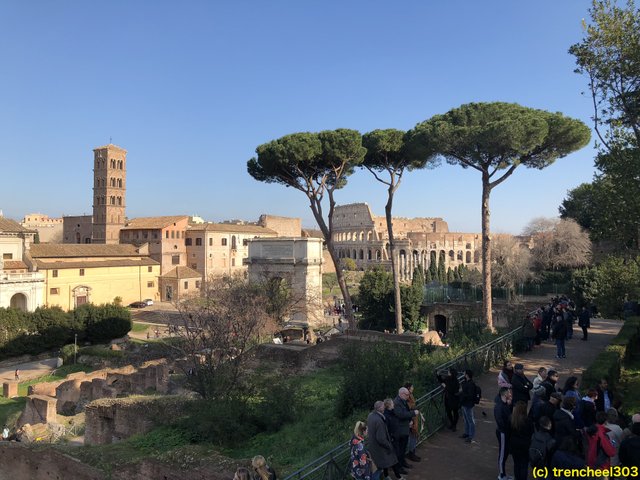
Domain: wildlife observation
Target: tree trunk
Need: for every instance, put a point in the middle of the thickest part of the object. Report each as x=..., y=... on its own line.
x=486, y=253
x=394, y=266
x=328, y=240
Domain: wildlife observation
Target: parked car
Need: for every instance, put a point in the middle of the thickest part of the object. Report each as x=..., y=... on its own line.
x=148, y=301
x=137, y=305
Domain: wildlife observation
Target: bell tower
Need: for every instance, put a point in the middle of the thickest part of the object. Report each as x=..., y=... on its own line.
x=109, y=189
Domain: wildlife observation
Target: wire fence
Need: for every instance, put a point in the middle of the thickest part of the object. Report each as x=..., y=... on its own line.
x=334, y=465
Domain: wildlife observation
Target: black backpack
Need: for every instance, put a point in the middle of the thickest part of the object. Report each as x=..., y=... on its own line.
x=477, y=394
x=538, y=451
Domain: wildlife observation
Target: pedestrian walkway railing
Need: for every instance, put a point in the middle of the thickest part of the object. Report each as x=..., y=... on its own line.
x=334, y=465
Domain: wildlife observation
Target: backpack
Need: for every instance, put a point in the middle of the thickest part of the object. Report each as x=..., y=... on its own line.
x=538, y=451
x=477, y=394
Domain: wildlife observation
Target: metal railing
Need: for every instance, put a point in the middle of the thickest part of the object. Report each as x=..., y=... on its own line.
x=334, y=465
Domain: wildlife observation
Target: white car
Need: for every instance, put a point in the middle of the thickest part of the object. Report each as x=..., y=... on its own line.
x=148, y=301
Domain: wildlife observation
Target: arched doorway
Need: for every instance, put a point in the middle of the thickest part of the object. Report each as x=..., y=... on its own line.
x=440, y=324
x=19, y=301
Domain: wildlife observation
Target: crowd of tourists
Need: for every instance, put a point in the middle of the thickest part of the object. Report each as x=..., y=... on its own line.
x=541, y=424
x=259, y=470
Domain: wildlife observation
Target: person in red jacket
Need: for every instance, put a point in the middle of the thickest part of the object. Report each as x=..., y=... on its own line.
x=599, y=447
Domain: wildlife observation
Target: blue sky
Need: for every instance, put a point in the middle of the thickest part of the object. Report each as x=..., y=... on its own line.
x=190, y=89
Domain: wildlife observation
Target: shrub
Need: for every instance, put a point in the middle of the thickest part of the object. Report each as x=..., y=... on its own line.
x=371, y=371
x=106, y=322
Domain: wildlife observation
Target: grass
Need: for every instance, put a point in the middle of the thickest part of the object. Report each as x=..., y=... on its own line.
x=140, y=327
x=10, y=409
x=630, y=385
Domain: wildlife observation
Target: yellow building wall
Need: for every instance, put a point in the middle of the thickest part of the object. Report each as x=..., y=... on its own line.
x=130, y=283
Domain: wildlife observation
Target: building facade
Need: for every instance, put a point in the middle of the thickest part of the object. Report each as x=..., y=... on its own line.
x=78, y=274
x=19, y=287
x=49, y=229
x=363, y=237
x=109, y=193
x=165, y=237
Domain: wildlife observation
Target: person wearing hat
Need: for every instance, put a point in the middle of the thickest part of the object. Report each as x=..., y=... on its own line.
x=520, y=385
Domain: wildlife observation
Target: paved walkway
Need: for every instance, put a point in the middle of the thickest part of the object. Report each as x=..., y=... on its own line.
x=446, y=456
x=29, y=370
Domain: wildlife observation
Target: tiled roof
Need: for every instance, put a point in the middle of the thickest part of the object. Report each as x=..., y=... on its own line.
x=69, y=250
x=182, y=272
x=116, y=262
x=11, y=226
x=153, y=222
x=14, y=265
x=111, y=146
x=312, y=233
x=230, y=228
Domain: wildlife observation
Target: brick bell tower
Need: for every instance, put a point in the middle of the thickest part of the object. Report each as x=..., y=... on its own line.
x=109, y=189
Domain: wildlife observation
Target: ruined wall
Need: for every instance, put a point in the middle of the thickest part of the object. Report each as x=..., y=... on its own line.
x=283, y=226
x=113, y=419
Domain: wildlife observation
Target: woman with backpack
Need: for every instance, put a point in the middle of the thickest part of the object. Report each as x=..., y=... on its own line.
x=451, y=387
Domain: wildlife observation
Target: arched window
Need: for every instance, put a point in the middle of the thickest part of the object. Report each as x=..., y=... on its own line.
x=355, y=255
x=378, y=255
x=452, y=255
x=476, y=256
x=369, y=236
x=361, y=254
x=233, y=242
x=369, y=255
x=468, y=260
x=459, y=256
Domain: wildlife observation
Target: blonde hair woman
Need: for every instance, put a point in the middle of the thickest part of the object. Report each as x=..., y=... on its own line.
x=362, y=467
x=263, y=471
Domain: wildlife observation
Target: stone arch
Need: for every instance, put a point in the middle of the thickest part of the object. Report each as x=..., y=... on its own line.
x=378, y=255
x=476, y=256
x=355, y=254
x=460, y=256
x=369, y=235
x=369, y=254
x=452, y=255
x=361, y=254
x=440, y=324
x=362, y=236
x=19, y=301
x=468, y=259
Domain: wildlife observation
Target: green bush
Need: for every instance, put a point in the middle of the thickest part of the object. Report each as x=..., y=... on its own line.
x=371, y=371
x=609, y=362
x=67, y=353
x=105, y=322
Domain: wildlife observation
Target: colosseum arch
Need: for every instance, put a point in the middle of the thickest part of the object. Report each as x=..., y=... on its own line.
x=476, y=256
x=468, y=259
x=460, y=256
x=452, y=255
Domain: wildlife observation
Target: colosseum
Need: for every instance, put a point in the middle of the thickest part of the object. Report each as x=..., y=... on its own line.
x=362, y=236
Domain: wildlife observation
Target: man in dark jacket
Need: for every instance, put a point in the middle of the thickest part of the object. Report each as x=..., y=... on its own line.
x=502, y=415
x=629, y=452
x=584, y=322
x=559, y=334
x=520, y=385
x=547, y=409
x=468, y=401
x=550, y=383
x=379, y=441
x=405, y=416
x=605, y=397
x=563, y=421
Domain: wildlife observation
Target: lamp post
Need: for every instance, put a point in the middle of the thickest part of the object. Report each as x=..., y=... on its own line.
x=75, y=348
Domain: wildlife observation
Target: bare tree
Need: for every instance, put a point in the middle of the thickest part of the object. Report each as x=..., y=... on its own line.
x=511, y=263
x=218, y=328
x=559, y=243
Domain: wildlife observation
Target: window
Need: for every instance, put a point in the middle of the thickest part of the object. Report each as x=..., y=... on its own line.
x=186, y=285
x=54, y=273
x=166, y=234
x=173, y=234
x=197, y=283
x=211, y=242
x=149, y=269
x=175, y=259
x=233, y=262
x=194, y=266
x=224, y=242
x=7, y=256
x=82, y=272
x=188, y=242
x=198, y=242
x=245, y=242
x=150, y=284
x=155, y=235
x=54, y=291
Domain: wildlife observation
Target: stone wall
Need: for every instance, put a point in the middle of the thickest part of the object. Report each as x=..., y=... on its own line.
x=283, y=226
x=111, y=420
x=39, y=409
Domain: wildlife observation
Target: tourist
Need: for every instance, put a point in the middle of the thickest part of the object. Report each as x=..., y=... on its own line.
x=629, y=452
x=529, y=333
x=627, y=432
x=502, y=415
x=571, y=388
x=605, y=397
x=614, y=433
x=550, y=382
x=5, y=433
x=505, y=375
x=548, y=409
x=404, y=415
x=263, y=471
x=587, y=409
x=584, y=322
x=451, y=386
x=563, y=421
x=520, y=385
x=392, y=423
x=559, y=334
x=380, y=447
x=599, y=447
x=414, y=433
x=567, y=458
x=542, y=444
x=540, y=377
x=468, y=401
x=242, y=474
x=360, y=459
x=16, y=375
x=520, y=440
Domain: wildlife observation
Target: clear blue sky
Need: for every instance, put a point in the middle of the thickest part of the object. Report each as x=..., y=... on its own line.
x=190, y=88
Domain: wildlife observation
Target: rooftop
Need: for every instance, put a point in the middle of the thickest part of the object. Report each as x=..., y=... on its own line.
x=153, y=222
x=70, y=250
